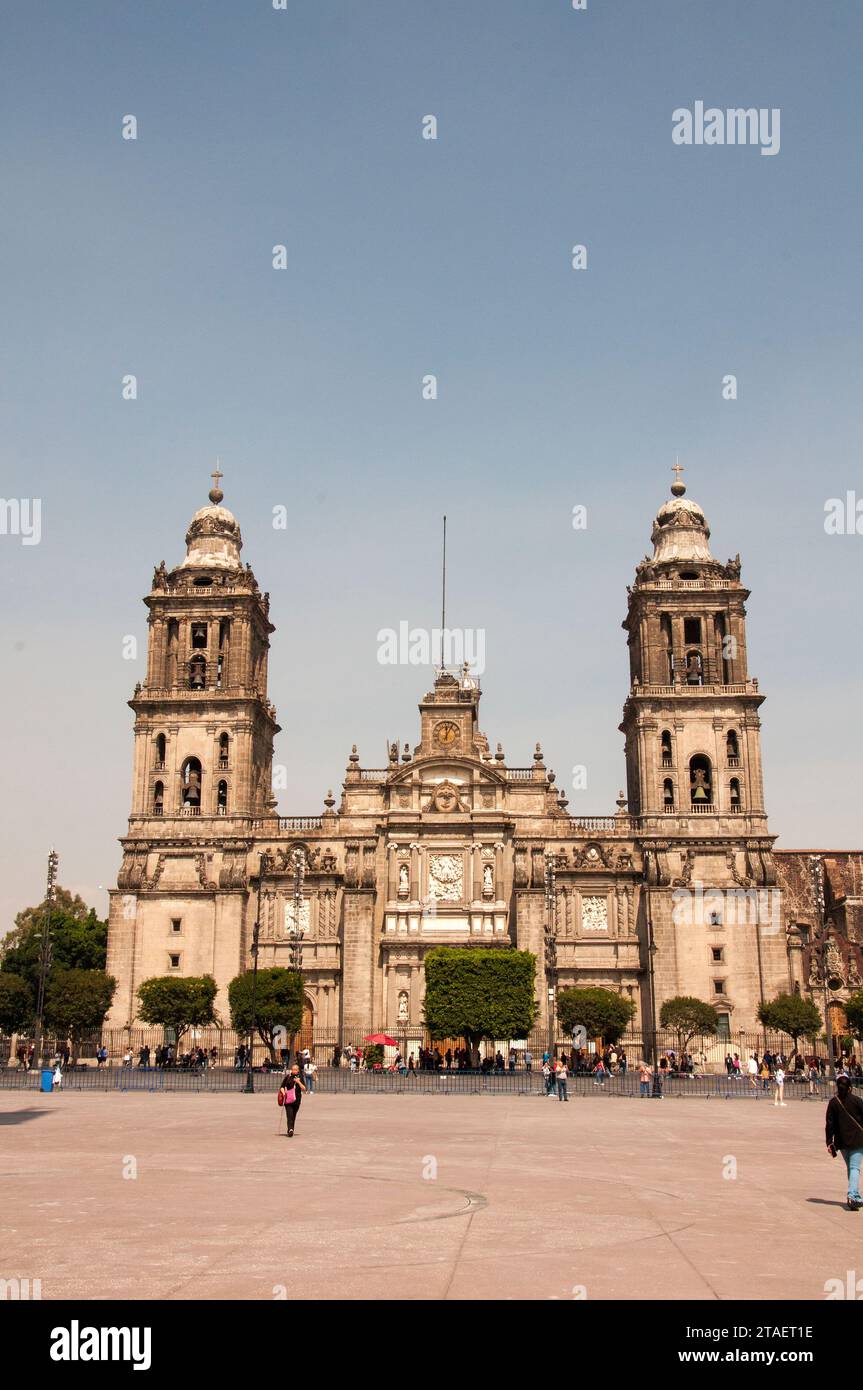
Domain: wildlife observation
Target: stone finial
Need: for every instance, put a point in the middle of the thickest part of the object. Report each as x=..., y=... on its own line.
x=551, y=777
x=621, y=803
x=355, y=757
x=499, y=755
x=537, y=757
x=329, y=801
x=216, y=494
x=406, y=755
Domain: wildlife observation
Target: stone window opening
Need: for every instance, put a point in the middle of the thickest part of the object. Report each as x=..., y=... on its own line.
x=694, y=668
x=176, y=924
x=224, y=750
x=222, y=799
x=665, y=629
x=175, y=962
x=716, y=953
x=735, y=794
x=199, y=636
x=159, y=799
x=191, y=786
x=718, y=986
x=665, y=748
x=700, y=783
x=161, y=746
x=197, y=673
x=732, y=748
x=692, y=631
x=668, y=795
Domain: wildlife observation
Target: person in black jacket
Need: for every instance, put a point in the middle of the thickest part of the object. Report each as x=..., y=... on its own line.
x=292, y=1082
x=844, y=1134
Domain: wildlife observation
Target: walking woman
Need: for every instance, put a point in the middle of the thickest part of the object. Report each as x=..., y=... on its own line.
x=290, y=1096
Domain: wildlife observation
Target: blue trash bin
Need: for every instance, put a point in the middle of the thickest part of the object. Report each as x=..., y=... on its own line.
x=47, y=1080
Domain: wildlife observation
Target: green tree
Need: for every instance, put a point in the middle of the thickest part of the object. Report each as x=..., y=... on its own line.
x=278, y=1003
x=17, y=1004
x=479, y=993
x=854, y=1013
x=791, y=1014
x=178, y=1002
x=688, y=1016
x=79, y=939
x=601, y=1012
x=76, y=1002
x=373, y=1054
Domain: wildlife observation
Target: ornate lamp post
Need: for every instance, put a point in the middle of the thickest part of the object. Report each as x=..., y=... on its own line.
x=256, y=933
x=296, y=931
x=820, y=943
x=550, y=942
x=46, y=950
x=652, y=949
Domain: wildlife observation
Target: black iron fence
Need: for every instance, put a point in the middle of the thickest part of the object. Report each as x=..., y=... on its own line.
x=342, y=1081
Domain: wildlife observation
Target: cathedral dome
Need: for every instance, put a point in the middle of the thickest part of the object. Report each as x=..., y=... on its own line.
x=213, y=540
x=680, y=529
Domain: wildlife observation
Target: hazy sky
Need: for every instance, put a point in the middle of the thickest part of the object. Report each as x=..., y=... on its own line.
x=406, y=257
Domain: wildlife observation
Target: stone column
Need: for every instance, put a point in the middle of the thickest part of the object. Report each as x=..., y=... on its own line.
x=415, y=873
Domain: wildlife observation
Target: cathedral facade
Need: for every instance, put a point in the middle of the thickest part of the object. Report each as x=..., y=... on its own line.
x=679, y=892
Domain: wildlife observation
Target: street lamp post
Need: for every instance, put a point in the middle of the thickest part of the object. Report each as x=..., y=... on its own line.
x=297, y=929
x=550, y=942
x=651, y=972
x=821, y=941
x=45, y=951
x=256, y=933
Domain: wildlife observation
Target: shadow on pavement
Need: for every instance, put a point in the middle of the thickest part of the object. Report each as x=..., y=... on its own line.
x=823, y=1202
x=18, y=1117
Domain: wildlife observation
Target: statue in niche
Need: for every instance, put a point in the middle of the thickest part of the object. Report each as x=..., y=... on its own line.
x=488, y=880
x=404, y=884
x=404, y=1007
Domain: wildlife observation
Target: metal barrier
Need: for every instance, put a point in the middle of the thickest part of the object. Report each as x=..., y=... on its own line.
x=337, y=1081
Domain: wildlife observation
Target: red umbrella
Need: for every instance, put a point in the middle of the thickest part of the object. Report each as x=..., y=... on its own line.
x=383, y=1038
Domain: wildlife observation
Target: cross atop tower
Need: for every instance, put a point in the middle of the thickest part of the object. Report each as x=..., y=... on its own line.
x=677, y=487
x=216, y=494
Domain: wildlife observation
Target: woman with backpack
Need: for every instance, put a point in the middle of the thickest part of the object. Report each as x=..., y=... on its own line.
x=290, y=1096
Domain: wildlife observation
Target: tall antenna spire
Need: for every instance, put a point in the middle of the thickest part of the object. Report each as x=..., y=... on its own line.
x=443, y=583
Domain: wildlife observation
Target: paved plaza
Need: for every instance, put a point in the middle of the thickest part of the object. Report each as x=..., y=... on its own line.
x=420, y=1197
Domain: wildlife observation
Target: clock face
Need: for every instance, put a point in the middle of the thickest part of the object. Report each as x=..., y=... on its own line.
x=446, y=733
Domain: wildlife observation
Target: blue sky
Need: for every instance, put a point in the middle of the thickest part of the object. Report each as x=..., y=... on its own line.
x=407, y=257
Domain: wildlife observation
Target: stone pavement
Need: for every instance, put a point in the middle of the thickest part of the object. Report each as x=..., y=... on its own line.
x=420, y=1197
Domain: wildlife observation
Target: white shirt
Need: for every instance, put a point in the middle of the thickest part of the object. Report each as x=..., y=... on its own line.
x=753, y=1067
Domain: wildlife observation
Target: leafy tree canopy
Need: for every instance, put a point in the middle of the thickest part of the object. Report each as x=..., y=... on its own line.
x=791, y=1014
x=278, y=1002
x=178, y=1002
x=476, y=993
x=79, y=939
x=688, y=1017
x=76, y=1001
x=854, y=1013
x=603, y=1013
x=17, y=1004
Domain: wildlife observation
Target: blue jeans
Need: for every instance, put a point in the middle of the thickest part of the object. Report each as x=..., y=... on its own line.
x=853, y=1159
x=644, y=1088
x=561, y=1091
x=309, y=1079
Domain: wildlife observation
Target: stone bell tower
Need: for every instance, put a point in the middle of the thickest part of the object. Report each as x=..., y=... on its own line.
x=202, y=776
x=691, y=718
x=204, y=727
